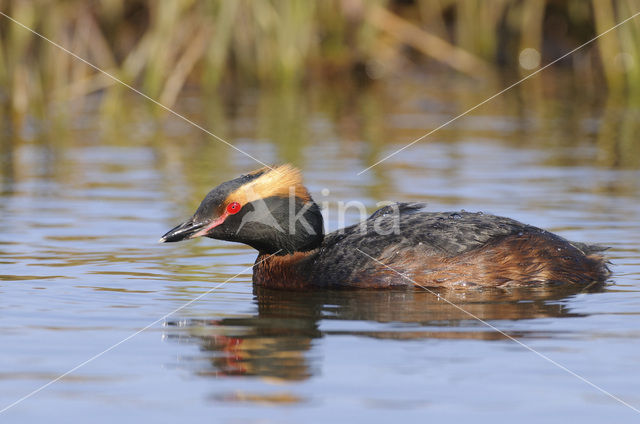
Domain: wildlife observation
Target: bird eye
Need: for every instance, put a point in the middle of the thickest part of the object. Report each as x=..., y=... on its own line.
x=233, y=208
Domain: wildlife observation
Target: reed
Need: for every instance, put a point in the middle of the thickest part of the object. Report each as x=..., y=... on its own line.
x=163, y=47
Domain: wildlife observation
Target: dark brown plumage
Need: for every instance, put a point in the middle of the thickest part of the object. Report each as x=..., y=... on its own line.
x=400, y=245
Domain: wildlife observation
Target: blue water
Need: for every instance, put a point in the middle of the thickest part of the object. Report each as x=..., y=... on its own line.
x=81, y=211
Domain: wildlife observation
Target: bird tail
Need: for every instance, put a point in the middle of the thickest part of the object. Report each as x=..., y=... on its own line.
x=594, y=253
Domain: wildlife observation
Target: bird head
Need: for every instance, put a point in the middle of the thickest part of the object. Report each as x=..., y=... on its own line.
x=268, y=209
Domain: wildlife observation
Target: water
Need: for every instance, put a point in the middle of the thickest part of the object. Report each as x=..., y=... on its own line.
x=83, y=205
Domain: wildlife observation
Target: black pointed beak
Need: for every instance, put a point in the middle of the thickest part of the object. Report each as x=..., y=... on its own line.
x=182, y=232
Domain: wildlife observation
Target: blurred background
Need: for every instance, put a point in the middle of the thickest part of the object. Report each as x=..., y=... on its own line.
x=92, y=174
x=164, y=47
x=301, y=53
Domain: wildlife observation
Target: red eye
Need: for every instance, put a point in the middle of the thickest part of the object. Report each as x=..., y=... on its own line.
x=233, y=208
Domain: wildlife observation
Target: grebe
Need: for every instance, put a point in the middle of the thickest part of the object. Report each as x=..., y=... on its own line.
x=400, y=245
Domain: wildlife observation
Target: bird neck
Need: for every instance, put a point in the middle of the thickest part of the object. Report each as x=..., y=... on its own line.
x=298, y=227
x=291, y=271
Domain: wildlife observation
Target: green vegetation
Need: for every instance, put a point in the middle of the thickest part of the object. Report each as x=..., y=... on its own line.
x=161, y=47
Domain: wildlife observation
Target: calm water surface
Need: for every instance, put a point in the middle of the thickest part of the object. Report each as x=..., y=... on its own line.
x=82, y=208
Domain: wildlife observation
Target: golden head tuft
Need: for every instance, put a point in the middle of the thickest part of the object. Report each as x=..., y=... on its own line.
x=278, y=181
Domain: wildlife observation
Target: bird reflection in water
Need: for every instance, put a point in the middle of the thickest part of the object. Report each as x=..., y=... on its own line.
x=277, y=342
